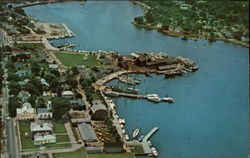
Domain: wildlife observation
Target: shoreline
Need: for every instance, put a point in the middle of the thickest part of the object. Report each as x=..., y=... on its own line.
x=179, y=34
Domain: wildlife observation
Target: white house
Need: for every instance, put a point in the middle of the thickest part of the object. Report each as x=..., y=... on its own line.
x=68, y=94
x=26, y=112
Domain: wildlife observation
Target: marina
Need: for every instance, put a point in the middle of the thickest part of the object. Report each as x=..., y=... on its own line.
x=208, y=85
x=150, y=97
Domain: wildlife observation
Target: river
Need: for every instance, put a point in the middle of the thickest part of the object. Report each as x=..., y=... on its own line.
x=210, y=118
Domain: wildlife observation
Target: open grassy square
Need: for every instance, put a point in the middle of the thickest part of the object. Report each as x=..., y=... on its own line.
x=59, y=128
x=30, y=45
x=69, y=59
x=62, y=138
x=122, y=155
x=76, y=154
x=27, y=143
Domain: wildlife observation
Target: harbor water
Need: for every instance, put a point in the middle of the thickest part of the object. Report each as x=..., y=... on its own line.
x=210, y=116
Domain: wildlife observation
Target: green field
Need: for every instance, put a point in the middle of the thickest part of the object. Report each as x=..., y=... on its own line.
x=62, y=138
x=59, y=128
x=30, y=45
x=124, y=155
x=77, y=59
x=27, y=143
x=81, y=153
x=76, y=154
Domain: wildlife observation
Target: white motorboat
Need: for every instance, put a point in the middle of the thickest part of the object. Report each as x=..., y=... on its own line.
x=136, y=132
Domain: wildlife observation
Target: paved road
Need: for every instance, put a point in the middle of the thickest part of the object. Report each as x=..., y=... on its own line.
x=11, y=139
x=10, y=128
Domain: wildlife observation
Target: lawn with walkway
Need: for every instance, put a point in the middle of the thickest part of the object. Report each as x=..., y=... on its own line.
x=62, y=138
x=27, y=143
x=81, y=153
x=76, y=154
x=59, y=128
x=70, y=59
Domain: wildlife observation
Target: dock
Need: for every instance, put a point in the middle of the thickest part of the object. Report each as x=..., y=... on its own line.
x=145, y=144
x=152, y=132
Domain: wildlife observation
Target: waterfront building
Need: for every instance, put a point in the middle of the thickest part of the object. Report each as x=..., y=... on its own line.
x=98, y=111
x=75, y=122
x=87, y=132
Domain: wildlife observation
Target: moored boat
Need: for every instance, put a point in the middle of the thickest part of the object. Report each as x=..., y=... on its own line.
x=141, y=138
x=136, y=132
x=168, y=99
x=154, y=99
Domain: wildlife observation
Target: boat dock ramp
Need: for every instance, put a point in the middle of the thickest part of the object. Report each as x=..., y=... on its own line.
x=150, y=97
x=128, y=80
x=148, y=150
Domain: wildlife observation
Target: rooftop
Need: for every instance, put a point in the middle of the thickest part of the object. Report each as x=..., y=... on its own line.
x=87, y=132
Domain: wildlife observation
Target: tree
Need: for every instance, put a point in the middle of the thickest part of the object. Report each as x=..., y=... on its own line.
x=60, y=108
x=14, y=103
x=75, y=71
x=35, y=68
x=55, y=72
x=72, y=82
x=33, y=90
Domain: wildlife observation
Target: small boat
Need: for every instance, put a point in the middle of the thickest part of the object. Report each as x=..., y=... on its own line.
x=154, y=99
x=168, y=99
x=149, y=143
x=152, y=95
x=141, y=138
x=126, y=137
x=136, y=132
x=82, y=3
x=155, y=153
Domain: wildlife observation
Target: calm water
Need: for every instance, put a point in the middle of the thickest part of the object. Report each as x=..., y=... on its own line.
x=210, y=118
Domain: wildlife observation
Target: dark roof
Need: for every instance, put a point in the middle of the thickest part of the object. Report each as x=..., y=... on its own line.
x=87, y=132
x=97, y=107
x=167, y=67
x=80, y=120
x=113, y=144
x=77, y=102
x=42, y=110
x=152, y=63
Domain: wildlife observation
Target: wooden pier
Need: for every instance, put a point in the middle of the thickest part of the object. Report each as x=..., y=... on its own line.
x=155, y=129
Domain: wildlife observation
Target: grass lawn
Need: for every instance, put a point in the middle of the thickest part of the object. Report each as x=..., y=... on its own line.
x=76, y=154
x=30, y=45
x=67, y=145
x=59, y=128
x=124, y=155
x=27, y=143
x=62, y=138
x=138, y=149
x=77, y=59
x=82, y=154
